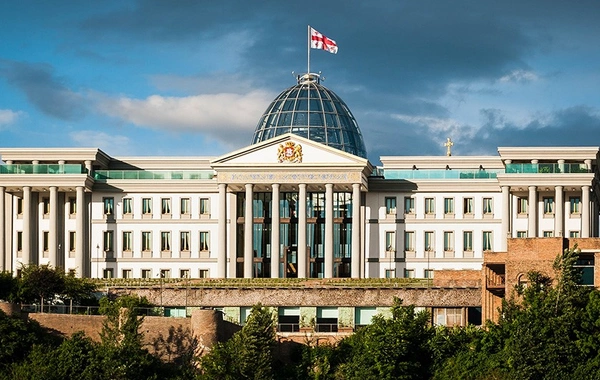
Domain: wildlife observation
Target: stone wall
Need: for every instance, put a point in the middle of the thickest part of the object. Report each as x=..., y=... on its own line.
x=457, y=278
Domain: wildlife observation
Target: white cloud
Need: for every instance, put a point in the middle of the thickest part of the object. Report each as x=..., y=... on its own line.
x=8, y=117
x=519, y=76
x=115, y=143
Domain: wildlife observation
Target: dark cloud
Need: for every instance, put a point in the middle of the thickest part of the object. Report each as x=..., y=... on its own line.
x=43, y=89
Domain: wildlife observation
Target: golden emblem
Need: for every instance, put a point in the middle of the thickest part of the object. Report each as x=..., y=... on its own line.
x=289, y=152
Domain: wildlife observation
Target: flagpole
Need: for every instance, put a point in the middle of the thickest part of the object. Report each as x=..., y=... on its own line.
x=308, y=64
x=308, y=87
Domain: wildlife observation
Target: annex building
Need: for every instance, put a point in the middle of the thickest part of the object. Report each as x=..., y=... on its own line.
x=301, y=201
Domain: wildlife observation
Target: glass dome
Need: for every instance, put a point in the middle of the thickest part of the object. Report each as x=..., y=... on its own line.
x=331, y=122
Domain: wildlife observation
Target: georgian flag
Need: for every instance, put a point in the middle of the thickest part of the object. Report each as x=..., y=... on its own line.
x=319, y=41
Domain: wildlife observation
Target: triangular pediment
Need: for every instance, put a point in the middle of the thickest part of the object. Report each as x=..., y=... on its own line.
x=289, y=150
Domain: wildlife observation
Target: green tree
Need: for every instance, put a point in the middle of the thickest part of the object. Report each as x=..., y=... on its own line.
x=40, y=283
x=8, y=287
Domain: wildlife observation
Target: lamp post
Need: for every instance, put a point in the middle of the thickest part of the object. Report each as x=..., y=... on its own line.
x=97, y=260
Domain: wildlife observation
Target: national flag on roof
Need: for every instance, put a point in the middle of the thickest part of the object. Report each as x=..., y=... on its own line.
x=319, y=41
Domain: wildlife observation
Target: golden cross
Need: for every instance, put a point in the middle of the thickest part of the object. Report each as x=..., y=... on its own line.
x=448, y=144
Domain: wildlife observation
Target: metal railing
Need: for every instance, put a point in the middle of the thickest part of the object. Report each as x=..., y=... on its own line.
x=42, y=169
x=103, y=175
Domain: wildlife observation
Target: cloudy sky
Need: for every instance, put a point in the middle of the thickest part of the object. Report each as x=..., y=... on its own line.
x=193, y=77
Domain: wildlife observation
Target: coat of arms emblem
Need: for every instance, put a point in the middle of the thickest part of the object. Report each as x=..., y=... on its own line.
x=289, y=152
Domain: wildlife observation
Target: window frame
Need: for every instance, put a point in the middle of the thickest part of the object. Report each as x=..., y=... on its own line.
x=448, y=206
x=429, y=206
x=390, y=205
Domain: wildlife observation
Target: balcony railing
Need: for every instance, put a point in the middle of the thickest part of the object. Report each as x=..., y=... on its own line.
x=437, y=174
x=42, y=169
x=103, y=175
x=545, y=168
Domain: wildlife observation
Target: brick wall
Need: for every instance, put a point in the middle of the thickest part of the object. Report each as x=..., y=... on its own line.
x=457, y=278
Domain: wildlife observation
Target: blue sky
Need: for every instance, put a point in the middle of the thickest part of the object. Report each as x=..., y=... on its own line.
x=193, y=77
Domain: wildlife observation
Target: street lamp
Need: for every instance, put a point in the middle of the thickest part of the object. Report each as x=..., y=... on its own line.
x=97, y=259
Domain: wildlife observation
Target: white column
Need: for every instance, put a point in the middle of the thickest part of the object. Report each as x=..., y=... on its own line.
x=559, y=209
x=585, y=211
x=88, y=167
x=222, y=231
x=329, y=230
x=53, y=231
x=532, y=222
x=2, y=240
x=301, y=208
x=505, y=217
x=248, y=225
x=356, y=231
x=561, y=165
x=275, y=231
x=588, y=164
x=79, y=232
x=27, y=255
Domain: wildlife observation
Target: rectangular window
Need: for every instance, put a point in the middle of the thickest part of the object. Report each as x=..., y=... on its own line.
x=428, y=273
x=204, y=243
x=185, y=206
x=521, y=234
x=487, y=206
x=575, y=205
x=429, y=206
x=409, y=205
x=184, y=241
x=108, y=241
x=46, y=206
x=468, y=206
x=409, y=273
x=522, y=206
x=165, y=206
x=19, y=206
x=487, y=240
x=108, y=273
x=127, y=206
x=203, y=273
x=184, y=273
x=390, y=273
x=429, y=241
x=468, y=241
x=72, y=206
x=448, y=206
x=165, y=241
x=165, y=273
x=19, y=241
x=409, y=241
x=390, y=241
x=46, y=241
x=448, y=241
x=204, y=206
x=127, y=246
x=549, y=205
x=146, y=273
x=109, y=205
x=574, y=234
x=390, y=205
x=146, y=241
x=447, y=316
x=548, y=234
x=147, y=206
x=72, y=241
x=126, y=273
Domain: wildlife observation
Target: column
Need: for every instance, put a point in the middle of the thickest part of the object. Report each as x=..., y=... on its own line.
x=79, y=232
x=561, y=166
x=585, y=211
x=301, y=208
x=275, y=231
x=26, y=259
x=329, y=230
x=505, y=218
x=559, y=209
x=2, y=228
x=588, y=165
x=88, y=167
x=222, y=232
x=248, y=227
x=356, y=231
x=532, y=230
x=52, y=233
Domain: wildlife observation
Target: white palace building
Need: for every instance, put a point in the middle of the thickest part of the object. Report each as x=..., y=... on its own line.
x=301, y=201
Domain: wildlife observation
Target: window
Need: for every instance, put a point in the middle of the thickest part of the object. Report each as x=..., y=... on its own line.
x=109, y=206
x=146, y=241
x=147, y=206
x=409, y=205
x=165, y=206
x=468, y=206
x=127, y=241
x=448, y=206
x=185, y=206
x=521, y=234
x=409, y=241
x=146, y=273
x=46, y=206
x=468, y=241
x=487, y=206
x=390, y=273
x=390, y=241
x=429, y=206
x=127, y=206
x=574, y=234
x=390, y=205
x=19, y=241
x=585, y=266
x=72, y=206
x=108, y=241
x=429, y=241
x=165, y=273
x=203, y=273
x=522, y=205
x=72, y=241
x=184, y=273
x=126, y=273
x=575, y=205
x=204, y=206
x=448, y=241
x=107, y=273
x=548, y=234
x=549, y=205
x=428, y=273
x=204, y=243
x=165, y=241
x=409, y=273
x=20, y=206
x=46, y=241
x=447, y=316
x=184, y=241
x=487, y=240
